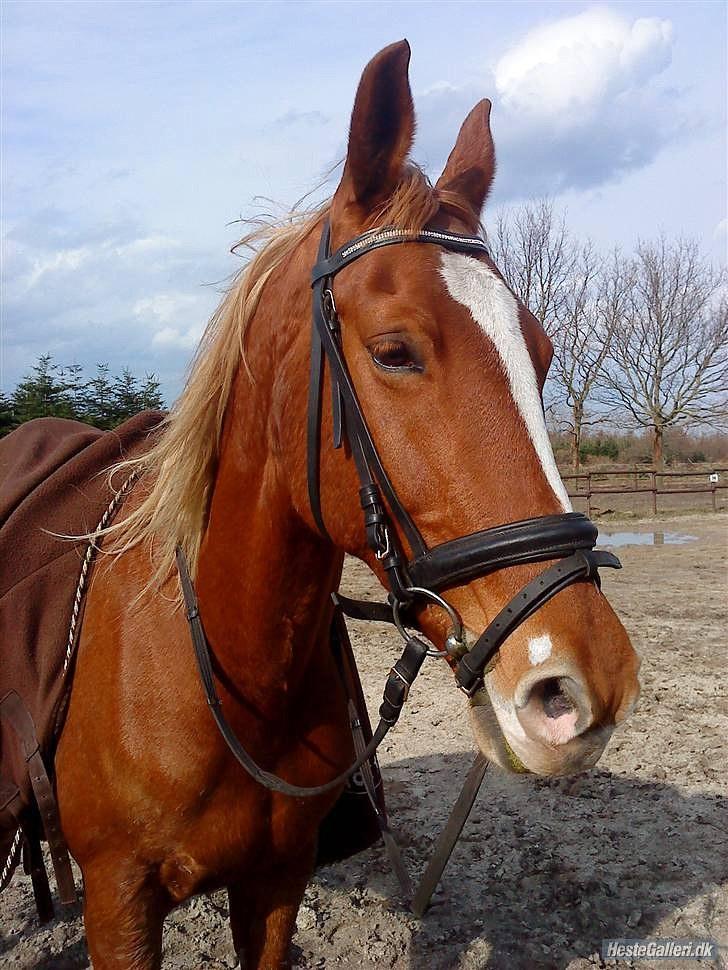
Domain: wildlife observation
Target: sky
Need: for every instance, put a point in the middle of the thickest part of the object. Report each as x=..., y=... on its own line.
x=136, y=135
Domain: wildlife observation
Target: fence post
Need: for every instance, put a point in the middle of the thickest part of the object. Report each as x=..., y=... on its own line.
x=588, y=495
x=653, y=476
x=635, y=479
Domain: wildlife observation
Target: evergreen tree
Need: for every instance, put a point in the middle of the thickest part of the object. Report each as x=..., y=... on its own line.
x=150, y=398
x=103, y=401
x=7, y=415
x=75, y=391
x=42, y=394
x=127, y=396
x=99, y=399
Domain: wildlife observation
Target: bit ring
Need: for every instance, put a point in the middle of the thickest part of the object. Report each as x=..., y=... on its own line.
x=456, y=633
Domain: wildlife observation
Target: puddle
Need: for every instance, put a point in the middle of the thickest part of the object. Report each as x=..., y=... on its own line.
x=614, y=539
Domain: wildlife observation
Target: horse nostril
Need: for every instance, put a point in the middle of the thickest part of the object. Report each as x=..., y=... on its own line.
x=553, y=709
x=554, y=699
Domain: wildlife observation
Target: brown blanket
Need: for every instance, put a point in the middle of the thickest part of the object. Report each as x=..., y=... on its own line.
x=52, y=480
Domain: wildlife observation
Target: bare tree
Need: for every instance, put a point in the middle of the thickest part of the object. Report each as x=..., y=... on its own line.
x=592, y=302
x=667, y=359
x=563, y=285
x=533, y=250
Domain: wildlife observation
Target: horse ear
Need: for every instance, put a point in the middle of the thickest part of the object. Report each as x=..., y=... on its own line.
x=470, y=168
x=382, y=129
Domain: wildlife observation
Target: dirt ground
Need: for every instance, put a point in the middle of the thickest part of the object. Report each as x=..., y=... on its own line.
x=545, y=870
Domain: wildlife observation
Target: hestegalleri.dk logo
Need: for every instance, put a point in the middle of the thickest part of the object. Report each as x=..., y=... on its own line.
x=667, y=949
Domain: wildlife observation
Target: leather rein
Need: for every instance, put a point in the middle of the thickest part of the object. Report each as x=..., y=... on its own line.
x=568, y=538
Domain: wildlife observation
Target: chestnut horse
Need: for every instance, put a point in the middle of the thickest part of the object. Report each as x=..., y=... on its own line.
x=449, y=368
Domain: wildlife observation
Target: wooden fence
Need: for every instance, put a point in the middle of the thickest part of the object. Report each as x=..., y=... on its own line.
x=654, y=484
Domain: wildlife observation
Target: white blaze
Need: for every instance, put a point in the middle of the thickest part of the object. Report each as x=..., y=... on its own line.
x=495, y=310
x=539, y=649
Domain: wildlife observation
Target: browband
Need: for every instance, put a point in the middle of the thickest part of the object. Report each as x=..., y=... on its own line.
x=389, y=236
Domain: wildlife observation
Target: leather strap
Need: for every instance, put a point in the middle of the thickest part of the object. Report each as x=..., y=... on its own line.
x=34, y=866
x=313, y=448
x=389, y=236
x=14, y=711
x=368, y=463
x=395, y=694
x=363, y=609
x=449, y=836
x=531, y=540
x=582, y=565
x=390, y=843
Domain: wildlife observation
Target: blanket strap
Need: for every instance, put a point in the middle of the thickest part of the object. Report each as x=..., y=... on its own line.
x=14, y=711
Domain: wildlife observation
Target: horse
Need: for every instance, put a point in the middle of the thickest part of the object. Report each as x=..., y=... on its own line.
x=449, y=367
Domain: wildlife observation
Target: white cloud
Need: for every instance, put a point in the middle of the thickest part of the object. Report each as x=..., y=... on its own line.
x=566, y=69
x=164, y=307
x=181, y=339
x=62, y=261
x=67, y=261
x=174, y=311
x=145, y=245
x=578, y=102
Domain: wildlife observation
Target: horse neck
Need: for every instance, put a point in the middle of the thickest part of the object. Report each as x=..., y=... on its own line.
x=264, y=579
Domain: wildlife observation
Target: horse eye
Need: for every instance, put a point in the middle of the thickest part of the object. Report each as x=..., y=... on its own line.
x=394, y=355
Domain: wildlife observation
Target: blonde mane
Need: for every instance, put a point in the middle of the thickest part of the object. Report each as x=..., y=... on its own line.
x=177, y=474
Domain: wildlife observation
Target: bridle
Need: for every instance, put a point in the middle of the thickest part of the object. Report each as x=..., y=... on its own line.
x=568, y=538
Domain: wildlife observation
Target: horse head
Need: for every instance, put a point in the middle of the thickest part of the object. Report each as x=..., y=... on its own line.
x=449, y=367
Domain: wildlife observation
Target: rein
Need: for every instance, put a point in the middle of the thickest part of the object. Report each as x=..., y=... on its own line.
x=568, y=538
x=263, y=777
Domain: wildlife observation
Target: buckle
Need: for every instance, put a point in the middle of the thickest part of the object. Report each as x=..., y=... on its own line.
x=470, y=691
x=383, y=537
x=393, y=672
x=330, y=314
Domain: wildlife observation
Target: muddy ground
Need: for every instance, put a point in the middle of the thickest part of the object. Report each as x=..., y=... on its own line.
x=545, y=869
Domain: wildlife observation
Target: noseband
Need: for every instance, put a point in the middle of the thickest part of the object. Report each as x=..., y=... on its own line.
x=568, y=538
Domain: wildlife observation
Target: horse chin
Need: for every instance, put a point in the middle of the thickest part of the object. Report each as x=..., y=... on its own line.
x=517, y=754
x=489, y=735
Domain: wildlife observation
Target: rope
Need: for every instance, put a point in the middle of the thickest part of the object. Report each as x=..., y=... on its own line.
x=90, y=549
x=10, y=862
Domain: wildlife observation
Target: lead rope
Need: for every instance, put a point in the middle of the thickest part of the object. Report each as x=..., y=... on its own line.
x=90, y=549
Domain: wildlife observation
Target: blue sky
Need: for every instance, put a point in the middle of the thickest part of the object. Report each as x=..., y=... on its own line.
x=134, y=134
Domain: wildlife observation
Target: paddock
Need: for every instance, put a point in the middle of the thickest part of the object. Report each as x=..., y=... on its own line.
x=545, y=869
